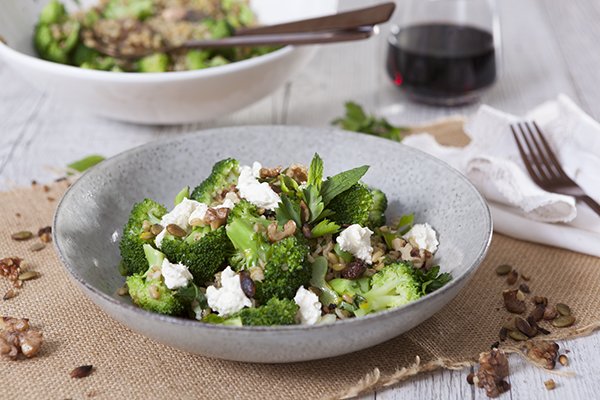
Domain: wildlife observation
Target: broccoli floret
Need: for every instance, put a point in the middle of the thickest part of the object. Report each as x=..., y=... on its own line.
x=131, y=245
x=377, y=211
x=393, y=286
x=138, y=9
x=52, y=13
x=352, y=206
x=250, y=246
x=359, y=205
x=285, y=271
x=204, y=252
x=274, y=312
x=148, y=290
x=224, y=175
x=157, y=62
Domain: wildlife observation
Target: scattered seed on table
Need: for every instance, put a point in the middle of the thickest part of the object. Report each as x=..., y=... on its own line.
x=550, y=313
x=563, y=360
x=550, y=384
x=564, y=321
x=28, y=275
x=82, y=372
x=518, y=336
x=470, y=378
x=512, y=278
x=524, y=288
x=543, y=331
x=563, y=309
x=525, y=277
x=524, y=327
x=503, y=269
x=9, y=294
x=37, y=246
x=540, y=300
x=21, y=235
x=503, y=334
x=520, y=295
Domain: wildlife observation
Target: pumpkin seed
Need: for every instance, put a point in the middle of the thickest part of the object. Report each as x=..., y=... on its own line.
x=564, y=321
x=517, y=335
x=503, y=269
x=153, y=292
x=146, y=236
x=520, y=295
x=27, y=275
x=156, y=229
x=9, y=294
x=146, y=225
x=524, y=288
x=82, y=372
x=525, y=327
x=563, y=309
x=503, y=334
x=176, y=230
x=550, y=313
x=540, y=300
x=123, y=290
x=563, y=360
x=37, y=246
x=21, y=235
x=512, y=278
x=509, y=324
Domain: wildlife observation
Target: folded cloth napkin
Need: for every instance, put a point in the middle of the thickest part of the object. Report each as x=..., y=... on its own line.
x=519, y=207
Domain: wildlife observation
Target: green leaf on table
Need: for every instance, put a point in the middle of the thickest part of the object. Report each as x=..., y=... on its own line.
x=356, y=120
x=341, y=182
x=85, y=163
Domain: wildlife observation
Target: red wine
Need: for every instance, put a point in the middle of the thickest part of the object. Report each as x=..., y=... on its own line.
x=442, y=63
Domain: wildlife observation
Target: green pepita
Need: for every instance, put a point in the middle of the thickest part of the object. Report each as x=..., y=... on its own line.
x=156, y=229
x=563, y=309
x=146, y=236
x=37, y=246
x=563, y=321
x=518, y=336
x=176, y=230
x=27, y=275
x=22, y=235
x=503, y=269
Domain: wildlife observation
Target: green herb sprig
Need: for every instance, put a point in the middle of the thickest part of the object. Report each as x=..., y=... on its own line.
x=357, y=120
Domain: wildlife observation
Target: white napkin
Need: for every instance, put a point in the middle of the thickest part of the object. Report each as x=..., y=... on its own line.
x=519, y=207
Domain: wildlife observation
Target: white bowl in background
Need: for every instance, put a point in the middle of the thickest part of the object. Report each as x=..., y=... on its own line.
x=157, y=98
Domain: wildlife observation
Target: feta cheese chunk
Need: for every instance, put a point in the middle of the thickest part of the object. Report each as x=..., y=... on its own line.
x=230, y=297
x=357, y=240
x=179, y=216
x=423, y=237
x=257, y=193
x=175, y=275
x=310, y=307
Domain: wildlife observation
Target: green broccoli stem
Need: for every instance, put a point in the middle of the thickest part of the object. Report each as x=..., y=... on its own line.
x=154, y=257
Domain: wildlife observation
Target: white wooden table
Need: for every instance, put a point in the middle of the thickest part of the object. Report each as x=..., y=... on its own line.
x=550, y=47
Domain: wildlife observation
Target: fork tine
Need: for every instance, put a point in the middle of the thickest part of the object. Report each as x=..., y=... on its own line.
x=526, y=159
x=533, y=156
x=550, y=153
x=543, y=157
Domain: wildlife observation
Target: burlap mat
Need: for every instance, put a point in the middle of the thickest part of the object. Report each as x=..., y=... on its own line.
x=130, y=366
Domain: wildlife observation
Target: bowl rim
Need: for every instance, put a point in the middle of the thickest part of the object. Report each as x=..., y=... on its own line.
x=9, y=54
x=195, y=324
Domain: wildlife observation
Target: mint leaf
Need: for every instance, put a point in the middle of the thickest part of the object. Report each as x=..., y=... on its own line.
x=341, y=182
x=315, y=172
x=288, y=210
x=324, y=227
x=431, y=280
x=405, y=223
x=85, y=163
x=313, y=201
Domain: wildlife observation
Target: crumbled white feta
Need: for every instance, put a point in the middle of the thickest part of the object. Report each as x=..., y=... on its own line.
x=175, y=275
x=357, y=240
x=230, y=297
x=422, y=236
x=180, y=216
x=309, y=306
x=257, y=193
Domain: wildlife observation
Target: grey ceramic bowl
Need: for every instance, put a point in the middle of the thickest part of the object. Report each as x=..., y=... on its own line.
x=92, y=212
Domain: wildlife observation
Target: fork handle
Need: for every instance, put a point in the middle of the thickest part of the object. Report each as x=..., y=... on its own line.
x=590, y=202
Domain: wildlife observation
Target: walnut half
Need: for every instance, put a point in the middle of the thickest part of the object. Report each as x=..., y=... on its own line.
x=17, y=337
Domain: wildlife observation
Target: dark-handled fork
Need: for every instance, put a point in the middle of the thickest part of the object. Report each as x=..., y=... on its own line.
x=543, y=166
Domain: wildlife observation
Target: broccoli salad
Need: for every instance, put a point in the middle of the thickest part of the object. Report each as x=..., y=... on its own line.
x=128, y=26
x=252, y=245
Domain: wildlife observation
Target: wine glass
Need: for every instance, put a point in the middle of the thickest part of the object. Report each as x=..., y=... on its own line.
x=444, y=52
